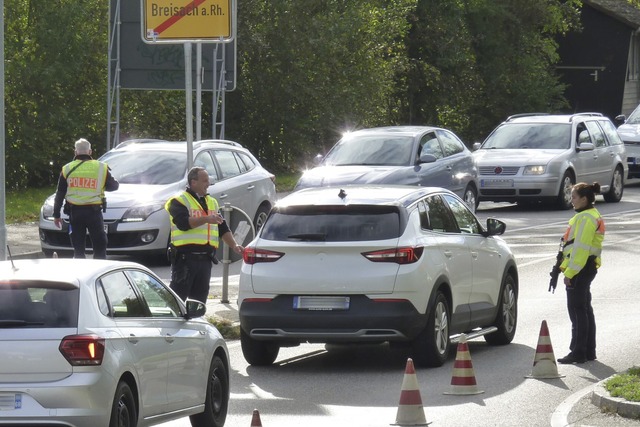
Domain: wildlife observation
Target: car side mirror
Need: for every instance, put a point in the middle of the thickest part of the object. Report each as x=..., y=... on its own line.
x=195, y=308
x=495, y=227
x=318, y=159
x=620, y=119
x=586, y=146
x=427, y=158
x=476, y=146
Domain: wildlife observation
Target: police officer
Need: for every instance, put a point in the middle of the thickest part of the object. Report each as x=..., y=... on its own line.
x=82, y=184
x=581, y=260
x=196, y=227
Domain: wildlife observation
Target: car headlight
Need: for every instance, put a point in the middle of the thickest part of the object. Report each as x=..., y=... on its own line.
x=47, y=208
x=534, y=170
x=141, y=213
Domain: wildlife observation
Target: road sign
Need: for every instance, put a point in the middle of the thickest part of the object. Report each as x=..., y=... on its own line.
x=173, y=21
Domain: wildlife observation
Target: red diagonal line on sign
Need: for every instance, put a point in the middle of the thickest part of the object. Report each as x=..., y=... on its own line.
x=175, y=18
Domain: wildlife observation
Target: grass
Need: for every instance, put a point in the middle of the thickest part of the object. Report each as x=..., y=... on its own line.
x=227, y=329
x=626, y=386
x=24, y=205
x=286, y=181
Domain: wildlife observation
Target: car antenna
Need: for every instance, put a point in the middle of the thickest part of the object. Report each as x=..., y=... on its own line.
x=11, y=259
x=342, y=194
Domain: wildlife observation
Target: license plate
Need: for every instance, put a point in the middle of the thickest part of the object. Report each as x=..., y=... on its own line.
x=320, y=303
x=633, y=160
x=496, y=183
x=10, y=401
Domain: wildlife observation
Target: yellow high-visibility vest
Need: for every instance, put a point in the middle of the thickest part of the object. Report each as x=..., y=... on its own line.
x=206, y=234
x=85, y=185
x=584, y=238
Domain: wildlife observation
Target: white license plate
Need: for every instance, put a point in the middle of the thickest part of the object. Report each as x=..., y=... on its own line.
x=10, y=401
x=320, y=303
x=496, y=183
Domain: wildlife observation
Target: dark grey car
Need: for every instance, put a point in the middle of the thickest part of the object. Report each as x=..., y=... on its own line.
x=403, y=155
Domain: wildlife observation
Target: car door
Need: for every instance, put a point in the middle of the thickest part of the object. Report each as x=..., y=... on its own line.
x=433, y=174
x=485, y=262
x=140, y=336
x=187, y=361
x=234, y=185
x=585, y=161
x=458, y=262
x=603, y=153
x=458, y=161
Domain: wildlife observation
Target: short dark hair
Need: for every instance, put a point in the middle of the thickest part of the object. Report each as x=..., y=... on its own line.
x=192, y=175
x=587, y=190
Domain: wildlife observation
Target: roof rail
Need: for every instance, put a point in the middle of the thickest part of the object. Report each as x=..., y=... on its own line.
x=588, y=114
x=138, y=141
x=515, y=116
x=220, y=141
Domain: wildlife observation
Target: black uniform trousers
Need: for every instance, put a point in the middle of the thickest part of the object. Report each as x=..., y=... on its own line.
x=191, y=274
x=583, y=322
x=81, y=219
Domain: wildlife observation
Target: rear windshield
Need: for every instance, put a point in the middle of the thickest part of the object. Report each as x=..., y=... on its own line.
x=27, y=306
x=333, y=224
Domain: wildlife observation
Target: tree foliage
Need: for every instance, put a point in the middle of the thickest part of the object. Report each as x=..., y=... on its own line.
x=307, y=71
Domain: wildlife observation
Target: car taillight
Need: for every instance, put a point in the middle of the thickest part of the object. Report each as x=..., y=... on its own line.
x=406, y=255
x=254, y=256
x=82, y=350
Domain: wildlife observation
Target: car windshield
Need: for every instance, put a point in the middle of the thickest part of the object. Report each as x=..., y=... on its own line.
x=371, y=150
x=634, y=118
x=533, y=136
x=146, y=167
x=333, y=224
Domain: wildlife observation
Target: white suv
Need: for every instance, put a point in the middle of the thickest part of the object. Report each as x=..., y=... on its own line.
x=629, y=132
x=353, y=264
x=538, y=157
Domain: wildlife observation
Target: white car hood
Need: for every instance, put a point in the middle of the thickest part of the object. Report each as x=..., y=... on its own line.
x=629, y=132
x=515, y=157
x=132, y=194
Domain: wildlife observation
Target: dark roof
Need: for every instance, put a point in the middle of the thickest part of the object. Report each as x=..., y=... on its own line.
x=620, y=10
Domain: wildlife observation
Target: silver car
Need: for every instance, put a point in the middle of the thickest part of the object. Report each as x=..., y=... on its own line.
x=105, y=343
x=150, y=172
x=629, y=132
x=424, y=156
x=532, y=158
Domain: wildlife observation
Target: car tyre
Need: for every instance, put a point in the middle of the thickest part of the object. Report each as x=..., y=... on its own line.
x=431, y=347
x=261, y=216
x=564, y=195
x=217, y=399
x=123, y=409
x=258, y=353
x=617, y=187
x=471, y=197
x=507, y=317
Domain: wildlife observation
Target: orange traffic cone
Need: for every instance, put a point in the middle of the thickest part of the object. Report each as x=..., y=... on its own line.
x=410, y=410
x=544, y=362
x=255, y=419
x=463, y=380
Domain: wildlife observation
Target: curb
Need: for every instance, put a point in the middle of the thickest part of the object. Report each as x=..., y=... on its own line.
x=27, y=255
x=601, y=398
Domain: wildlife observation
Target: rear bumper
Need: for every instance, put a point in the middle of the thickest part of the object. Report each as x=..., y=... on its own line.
x=366, y=320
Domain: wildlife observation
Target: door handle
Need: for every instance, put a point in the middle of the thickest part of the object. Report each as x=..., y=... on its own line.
x=251, y=187
x=448, y=254
x=133, y=339
x=169, y=338
x=474, y=255
x=223, y=196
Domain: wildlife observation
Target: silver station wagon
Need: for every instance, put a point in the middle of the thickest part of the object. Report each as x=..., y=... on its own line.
x=531, y=158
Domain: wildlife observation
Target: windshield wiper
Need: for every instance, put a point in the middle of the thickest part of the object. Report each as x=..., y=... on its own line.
x=308, y=237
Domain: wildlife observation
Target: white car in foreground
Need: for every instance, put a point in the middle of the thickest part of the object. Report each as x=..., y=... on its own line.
x=355, y=264
x=105, y=343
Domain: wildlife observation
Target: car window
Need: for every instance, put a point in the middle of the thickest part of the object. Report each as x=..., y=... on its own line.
x=248, y=162
x=371, y=150
x=122, y=299
x=634, y=117
x=439, y=216
x=429, y=144
x=204, y=160
x=611, y=132
x=228, y=163
x=452, y=145
x=467, y=222
x=31, y=305
x=597, y=136
x=530, y=136
x=333, y=224
x=146, y=167
x=161, y=302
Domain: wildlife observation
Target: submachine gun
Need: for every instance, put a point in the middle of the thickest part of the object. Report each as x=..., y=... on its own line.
x=555, y=271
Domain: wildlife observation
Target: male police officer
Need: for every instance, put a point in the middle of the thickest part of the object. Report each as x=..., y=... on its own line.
x=82, y=183
x=196, y=227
